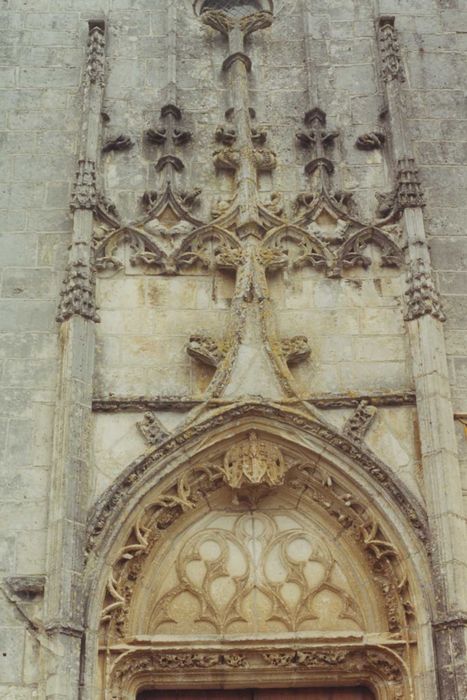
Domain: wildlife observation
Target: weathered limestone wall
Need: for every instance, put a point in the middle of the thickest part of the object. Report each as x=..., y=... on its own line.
x=354, y=325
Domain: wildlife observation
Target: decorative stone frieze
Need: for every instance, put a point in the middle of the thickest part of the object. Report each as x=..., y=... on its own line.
x=118, y=404
x=381, y=666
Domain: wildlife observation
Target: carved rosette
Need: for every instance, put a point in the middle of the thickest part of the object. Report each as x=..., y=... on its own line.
x=422, y=297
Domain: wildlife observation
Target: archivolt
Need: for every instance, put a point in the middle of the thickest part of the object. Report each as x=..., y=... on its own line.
x=146, y=471
x=320, y=467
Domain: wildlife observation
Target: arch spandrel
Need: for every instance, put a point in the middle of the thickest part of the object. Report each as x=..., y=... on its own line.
x=268, y=464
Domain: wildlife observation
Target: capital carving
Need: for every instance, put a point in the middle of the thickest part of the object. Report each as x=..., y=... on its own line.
x=223, y=23
x=422, y=297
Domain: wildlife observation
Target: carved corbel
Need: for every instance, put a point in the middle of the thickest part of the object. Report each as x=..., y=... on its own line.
x=205, y=349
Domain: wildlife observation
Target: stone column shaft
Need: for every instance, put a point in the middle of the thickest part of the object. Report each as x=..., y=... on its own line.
x=69, y=488
x=441, y=470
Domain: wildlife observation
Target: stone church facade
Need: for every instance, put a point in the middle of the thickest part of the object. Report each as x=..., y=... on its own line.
x=233, y=329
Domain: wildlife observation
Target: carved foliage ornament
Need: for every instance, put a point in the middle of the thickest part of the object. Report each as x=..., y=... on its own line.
x=422, y=297
x=78, y=293
x=95, y=67
x=84, y=195
x=224, y=23
x=358, y=424
x=367, y=462
x=391, y=61
x=151, y=429
x=256, y=461
x=353, y=662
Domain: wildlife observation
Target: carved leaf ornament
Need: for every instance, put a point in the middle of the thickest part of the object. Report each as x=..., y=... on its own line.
x=252, y=462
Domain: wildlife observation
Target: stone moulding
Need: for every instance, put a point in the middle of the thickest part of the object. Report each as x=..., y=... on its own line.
x=382, y=667
x=247, y=465
x=112, y=500
x=120, y=404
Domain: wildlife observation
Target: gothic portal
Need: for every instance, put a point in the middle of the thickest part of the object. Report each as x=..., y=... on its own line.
x=244, y=409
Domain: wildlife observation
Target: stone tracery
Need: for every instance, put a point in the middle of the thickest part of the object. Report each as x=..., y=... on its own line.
x=252, y=239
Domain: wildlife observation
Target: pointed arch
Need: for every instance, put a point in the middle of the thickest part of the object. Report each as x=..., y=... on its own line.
x=356, y=497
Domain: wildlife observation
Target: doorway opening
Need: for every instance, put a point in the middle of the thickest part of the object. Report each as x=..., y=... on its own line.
x=359, y=693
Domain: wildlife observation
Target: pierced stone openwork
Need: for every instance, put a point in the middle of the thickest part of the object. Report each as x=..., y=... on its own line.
x=215, y=579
